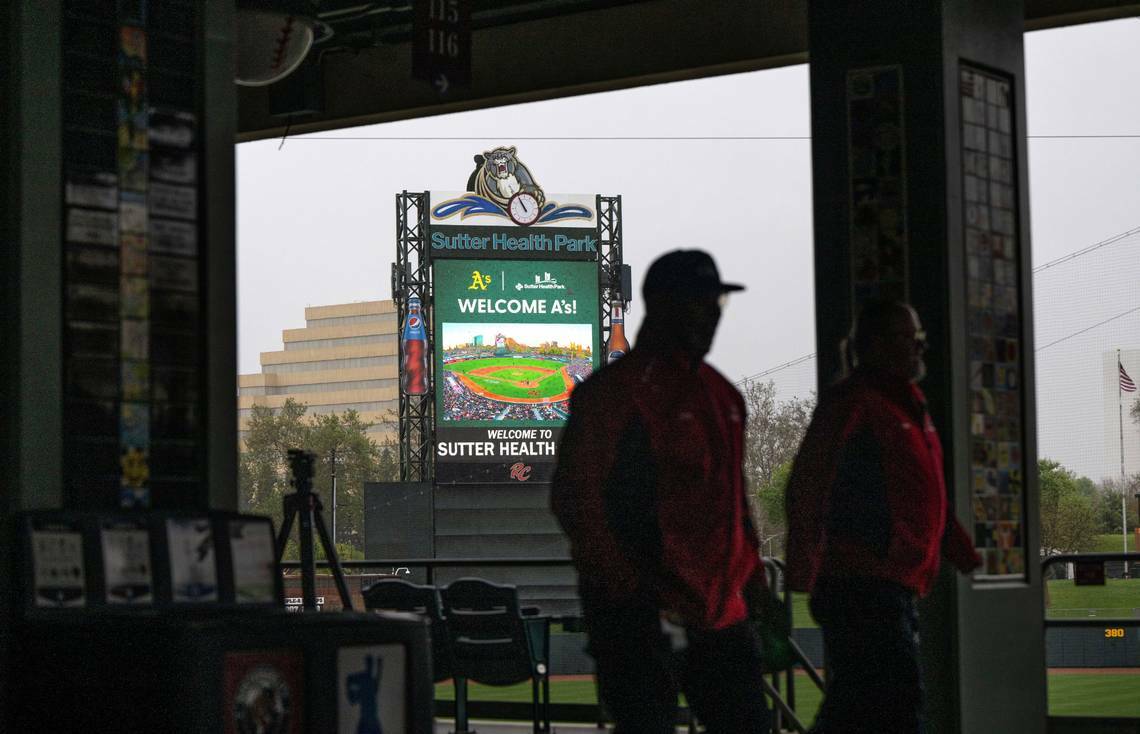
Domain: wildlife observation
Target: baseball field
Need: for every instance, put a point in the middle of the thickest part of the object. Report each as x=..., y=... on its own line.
x=514, y=379
x=1072, y=692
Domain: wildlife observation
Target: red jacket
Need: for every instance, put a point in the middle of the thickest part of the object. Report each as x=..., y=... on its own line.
x=650, y=489
x=867, y=494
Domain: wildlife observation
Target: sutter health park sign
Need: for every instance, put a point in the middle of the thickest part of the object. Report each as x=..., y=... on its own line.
x=557, y=245
x=513, y=338
x=465, y=225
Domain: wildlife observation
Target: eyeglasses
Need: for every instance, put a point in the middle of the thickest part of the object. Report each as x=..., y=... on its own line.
x=919, y=338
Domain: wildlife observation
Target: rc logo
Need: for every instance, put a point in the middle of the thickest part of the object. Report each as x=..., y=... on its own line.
x=479, y=282
x=520, y=472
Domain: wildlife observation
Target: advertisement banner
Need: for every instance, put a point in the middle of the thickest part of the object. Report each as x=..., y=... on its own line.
x=513, y=339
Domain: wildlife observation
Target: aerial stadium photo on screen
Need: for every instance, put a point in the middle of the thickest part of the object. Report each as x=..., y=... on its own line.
x=516, y=372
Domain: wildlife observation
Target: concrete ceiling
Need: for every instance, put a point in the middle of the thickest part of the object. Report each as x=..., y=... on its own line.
x=540, y=49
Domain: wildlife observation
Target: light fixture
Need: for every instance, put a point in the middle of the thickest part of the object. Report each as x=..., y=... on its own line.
x=273, y=38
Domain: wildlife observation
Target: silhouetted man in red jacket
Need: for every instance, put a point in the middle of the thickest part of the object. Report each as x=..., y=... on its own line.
x=868, y=524
x=650, y=491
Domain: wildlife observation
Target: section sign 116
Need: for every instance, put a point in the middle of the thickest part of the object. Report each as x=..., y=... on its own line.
x=441, y=42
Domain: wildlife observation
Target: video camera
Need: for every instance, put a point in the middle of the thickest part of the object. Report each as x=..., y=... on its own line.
x=301, y=466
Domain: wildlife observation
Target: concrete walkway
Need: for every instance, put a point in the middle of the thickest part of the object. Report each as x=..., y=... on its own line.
x=446, y=726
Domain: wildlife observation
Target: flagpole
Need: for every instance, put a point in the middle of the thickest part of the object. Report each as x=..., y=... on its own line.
x=1123, y=489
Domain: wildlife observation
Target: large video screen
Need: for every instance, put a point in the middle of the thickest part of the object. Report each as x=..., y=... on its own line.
x=512, y=340
x=512, y=372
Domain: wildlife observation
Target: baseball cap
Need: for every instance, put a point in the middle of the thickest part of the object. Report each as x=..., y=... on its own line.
x=685, y=271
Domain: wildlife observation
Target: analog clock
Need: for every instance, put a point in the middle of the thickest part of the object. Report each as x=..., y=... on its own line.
x=523, y=208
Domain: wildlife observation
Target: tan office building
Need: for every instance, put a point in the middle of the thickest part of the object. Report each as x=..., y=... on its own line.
x=344, y=359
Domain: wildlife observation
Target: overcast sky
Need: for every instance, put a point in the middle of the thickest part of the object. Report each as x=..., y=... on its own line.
x=316, y=217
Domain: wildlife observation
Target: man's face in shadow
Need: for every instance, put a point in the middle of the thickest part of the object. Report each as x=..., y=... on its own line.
x=693, y=318
x=900, y=349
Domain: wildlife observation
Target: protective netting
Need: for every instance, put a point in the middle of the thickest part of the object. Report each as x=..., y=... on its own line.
x=793, y=380
x=1086, y=306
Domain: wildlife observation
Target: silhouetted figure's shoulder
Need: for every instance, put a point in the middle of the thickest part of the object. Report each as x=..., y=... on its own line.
x=855, y=387
x=869, y=393
x=713, y=376
x=611, y=380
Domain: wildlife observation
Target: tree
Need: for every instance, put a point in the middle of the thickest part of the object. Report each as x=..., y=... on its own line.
x=774, y=432
x=342, y=439
x=768, y=510
x=1107, y=506
x=1108, y=503
x=263, y=471
x=1068, y=519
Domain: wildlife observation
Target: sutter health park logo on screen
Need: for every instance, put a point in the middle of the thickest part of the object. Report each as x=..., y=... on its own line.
x=513, y=340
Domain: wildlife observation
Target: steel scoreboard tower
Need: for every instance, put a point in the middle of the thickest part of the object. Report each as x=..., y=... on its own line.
x=412, y=277
x=515, y=289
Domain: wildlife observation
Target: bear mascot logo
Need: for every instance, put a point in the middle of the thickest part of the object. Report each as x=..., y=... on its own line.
x=499, y=175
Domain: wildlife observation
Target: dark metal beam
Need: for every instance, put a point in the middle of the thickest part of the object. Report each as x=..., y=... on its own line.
x=545, y=49
x=610, y=48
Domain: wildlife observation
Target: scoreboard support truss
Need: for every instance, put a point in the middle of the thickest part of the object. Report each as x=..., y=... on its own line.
x=411, y=276
x=609, y=262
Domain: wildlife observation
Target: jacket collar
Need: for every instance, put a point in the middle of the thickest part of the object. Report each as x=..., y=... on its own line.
x=898, y=390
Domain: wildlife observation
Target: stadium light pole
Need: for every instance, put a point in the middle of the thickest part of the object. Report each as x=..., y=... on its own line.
x=333, y=462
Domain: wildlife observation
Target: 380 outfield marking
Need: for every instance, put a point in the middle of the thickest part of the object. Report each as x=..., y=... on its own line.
x=524, y=380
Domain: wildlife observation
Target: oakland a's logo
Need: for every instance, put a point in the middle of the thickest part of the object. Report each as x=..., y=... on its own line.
x=479, y=282
x=502, y=186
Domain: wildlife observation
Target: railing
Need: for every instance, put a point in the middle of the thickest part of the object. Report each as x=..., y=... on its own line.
x=784, y=704
x=433, y=563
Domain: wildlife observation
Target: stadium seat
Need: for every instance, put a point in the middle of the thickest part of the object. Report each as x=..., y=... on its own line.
x=395, y=595
x=493, y=643
x=401, y=596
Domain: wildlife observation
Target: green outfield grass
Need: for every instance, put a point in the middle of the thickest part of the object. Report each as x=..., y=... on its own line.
x=561, y=691
x=1113, y=543
x=1094, y=694
x=801, y=615
x=1118, y=598
x=500, y=384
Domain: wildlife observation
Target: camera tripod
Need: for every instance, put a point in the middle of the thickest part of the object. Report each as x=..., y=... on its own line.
x=305, y=503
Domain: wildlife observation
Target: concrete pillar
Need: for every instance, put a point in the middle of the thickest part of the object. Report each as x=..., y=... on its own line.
x=920, y=186
x=34, y=421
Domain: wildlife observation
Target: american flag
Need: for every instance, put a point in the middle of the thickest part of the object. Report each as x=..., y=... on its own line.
x=1126, y=383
